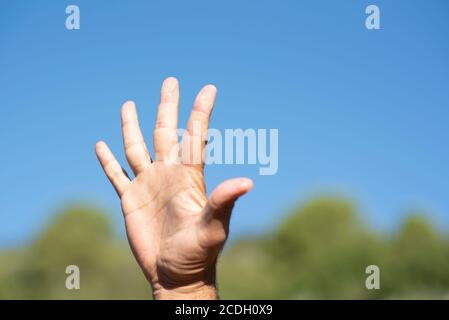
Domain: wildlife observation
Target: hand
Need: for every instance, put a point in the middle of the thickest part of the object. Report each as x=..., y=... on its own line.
x=174, y=231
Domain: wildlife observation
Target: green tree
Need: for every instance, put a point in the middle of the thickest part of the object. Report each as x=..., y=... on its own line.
x=419, y=260
x=320, y=250
x=84, y=237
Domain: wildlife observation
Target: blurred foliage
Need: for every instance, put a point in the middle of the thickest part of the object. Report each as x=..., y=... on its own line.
x=320, y=250
x=78, y=236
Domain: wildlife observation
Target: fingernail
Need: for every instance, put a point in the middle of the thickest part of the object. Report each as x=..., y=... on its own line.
x=170, y=84
x=247, y=184
x=209, y=91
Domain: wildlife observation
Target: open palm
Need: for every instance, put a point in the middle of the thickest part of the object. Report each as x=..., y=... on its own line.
x=174, y=231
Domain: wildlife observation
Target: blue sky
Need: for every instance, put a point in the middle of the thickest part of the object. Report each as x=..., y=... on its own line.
x=361, y=113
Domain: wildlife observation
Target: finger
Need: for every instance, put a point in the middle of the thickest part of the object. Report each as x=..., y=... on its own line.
x=165, y=134
x=223, y=198
x=112, y=168
x=225, y=195
x=198, y=124
x=215, y=224
x=135, y=149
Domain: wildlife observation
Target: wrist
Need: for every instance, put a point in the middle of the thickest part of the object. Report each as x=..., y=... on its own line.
x=169, y=283
x=196, y=291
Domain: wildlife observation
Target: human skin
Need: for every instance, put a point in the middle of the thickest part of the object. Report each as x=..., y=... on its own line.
x=173, y=229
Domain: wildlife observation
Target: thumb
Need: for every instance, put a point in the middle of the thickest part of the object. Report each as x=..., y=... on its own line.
x=221, y=201
x=225, y=195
